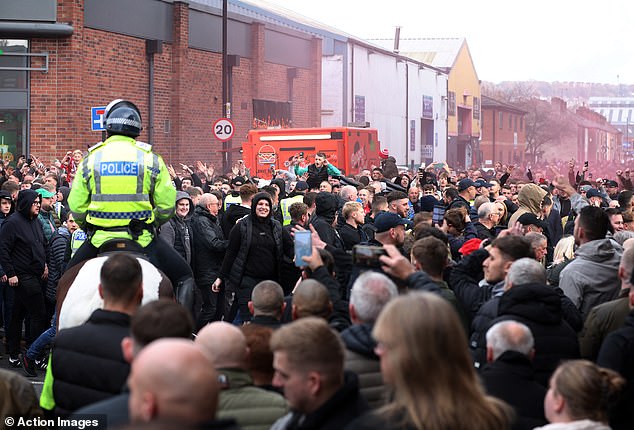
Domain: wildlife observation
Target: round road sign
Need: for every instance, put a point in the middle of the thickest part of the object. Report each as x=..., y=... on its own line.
x=223, y=129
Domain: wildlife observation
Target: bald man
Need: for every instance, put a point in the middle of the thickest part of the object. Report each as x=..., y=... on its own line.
x=267, y=304
x=254, y=408
x=311, y=299
x=171, y=379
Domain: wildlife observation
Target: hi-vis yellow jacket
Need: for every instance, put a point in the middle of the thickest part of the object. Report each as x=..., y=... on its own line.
x=120, y=180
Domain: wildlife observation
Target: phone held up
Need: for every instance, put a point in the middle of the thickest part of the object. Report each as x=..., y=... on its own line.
x=367, y=255
x=303, y=246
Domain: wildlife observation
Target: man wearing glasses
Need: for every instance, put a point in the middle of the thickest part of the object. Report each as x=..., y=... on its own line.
x=488, y=218
x=23, y=258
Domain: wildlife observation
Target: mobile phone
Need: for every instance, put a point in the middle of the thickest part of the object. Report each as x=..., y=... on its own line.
x=439, y=165
x=301, y=154
x=367, y=255
x=303, y=246
x=585, y=164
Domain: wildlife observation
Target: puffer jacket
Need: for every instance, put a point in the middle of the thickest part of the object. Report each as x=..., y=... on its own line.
x=233, y=265
x=252, y=407
x=530, y=201
x=81, y=354
x=361, y=359
x=59, y=255
x=539, y=307
x=592, y=277
x=209, y=246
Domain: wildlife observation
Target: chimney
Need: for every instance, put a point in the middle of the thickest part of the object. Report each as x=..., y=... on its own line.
x=559, y=104
x=397, y=39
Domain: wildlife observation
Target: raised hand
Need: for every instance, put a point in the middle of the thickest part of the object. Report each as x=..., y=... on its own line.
x=171, y=171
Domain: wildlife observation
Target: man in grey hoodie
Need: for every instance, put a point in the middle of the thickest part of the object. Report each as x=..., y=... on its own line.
x=592, y=277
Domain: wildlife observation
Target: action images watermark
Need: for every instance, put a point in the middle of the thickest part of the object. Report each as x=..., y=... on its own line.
x=87, y=422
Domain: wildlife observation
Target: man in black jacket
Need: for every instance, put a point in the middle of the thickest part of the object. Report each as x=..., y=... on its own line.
x=81, y=353
x=308, y=358
x=155, y=320
x=23, y=258
x=210, y=245
x=509, y=374
x=527, y=299
x=267, y=304
x=466, y=193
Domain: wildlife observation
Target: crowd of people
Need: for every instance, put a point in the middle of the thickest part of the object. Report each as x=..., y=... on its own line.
x=493, y=298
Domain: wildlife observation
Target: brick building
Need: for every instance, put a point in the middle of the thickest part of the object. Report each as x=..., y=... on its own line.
x=168, y=54
x=503, y=133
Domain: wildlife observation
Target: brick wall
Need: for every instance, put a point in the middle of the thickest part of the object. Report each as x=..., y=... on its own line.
x=504, y=137
x=94, y=67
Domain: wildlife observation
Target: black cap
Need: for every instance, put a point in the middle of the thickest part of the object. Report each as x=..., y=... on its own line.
x=482, y=183
x=301, y=186
x=465, y=183
x=238, y=180
x=593, y=192
x=387, y=220
x=530, y=219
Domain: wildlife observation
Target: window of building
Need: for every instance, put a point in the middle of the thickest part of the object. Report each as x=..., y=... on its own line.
x=10, y=50
x=521, y=123
x=510, y=122
x=14, y=84
x=501, y=119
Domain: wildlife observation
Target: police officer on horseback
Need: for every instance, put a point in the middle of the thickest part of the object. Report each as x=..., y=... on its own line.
x=123, y=190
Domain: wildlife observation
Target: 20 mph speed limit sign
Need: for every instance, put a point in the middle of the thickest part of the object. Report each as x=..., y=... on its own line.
x=223, y=129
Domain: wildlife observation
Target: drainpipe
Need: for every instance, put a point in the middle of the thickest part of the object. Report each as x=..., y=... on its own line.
x=151, y=47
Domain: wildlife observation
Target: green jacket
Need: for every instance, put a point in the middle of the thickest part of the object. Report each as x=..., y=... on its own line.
x=252, y=407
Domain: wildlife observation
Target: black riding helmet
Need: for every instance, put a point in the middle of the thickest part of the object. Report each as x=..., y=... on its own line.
x=122, y=117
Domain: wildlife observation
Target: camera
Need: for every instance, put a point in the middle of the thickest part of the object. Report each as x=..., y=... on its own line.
x=301, y=154
x=367, y=255
x=29, y=161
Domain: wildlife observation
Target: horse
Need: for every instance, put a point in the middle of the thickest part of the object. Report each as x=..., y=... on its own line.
x=78, y=292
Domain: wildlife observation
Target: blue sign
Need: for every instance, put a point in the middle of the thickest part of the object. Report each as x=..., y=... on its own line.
x=119, y=168
x=96, y=116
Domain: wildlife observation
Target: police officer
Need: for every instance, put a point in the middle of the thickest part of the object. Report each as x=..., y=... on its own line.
x=123, y=190
x=297, y=196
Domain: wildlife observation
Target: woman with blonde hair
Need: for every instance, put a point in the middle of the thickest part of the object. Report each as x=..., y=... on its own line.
x=426, y=362
x=579, y=395
x=503, y=221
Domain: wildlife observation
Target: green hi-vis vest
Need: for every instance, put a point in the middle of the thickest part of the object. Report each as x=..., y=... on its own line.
x=120, y=180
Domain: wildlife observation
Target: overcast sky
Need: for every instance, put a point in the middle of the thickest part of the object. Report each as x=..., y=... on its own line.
x=547, y=40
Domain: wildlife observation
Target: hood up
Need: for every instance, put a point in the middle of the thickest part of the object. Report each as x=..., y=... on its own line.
x=25, y=201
